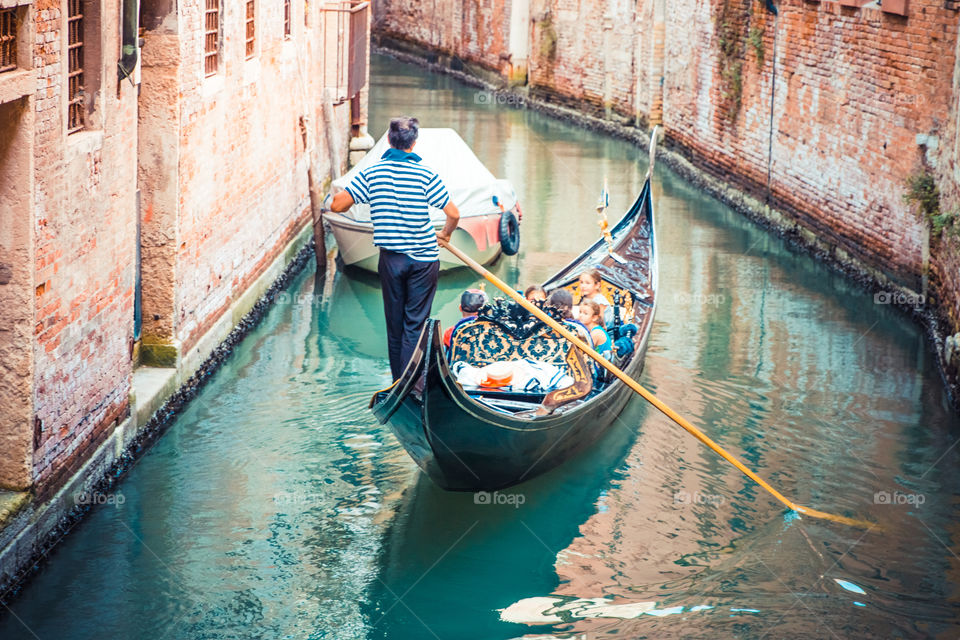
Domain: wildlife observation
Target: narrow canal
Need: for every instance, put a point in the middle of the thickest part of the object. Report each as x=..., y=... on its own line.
x=276, y=507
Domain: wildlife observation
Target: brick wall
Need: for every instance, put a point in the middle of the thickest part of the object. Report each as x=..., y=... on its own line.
x=223, y=172
x=946, y=259
x=84, y=228
x=857, y=92
x=234, y=144
x=474, y=31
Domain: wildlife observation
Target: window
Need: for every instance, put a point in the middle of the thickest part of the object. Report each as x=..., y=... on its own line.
x=286, y=18
x=251, y=29
x=75, y=111
x=211, y=37
x=8, y=39
x=306, y=13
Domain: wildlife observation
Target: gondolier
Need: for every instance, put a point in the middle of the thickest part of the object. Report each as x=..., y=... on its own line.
x=399, y=189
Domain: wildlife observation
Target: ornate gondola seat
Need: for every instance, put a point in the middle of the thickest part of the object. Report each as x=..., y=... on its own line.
x=504, y=330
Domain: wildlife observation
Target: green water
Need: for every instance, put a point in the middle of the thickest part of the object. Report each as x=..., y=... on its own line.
x=276, y=507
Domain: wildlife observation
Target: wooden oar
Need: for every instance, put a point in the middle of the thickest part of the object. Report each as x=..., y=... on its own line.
x=649, y=397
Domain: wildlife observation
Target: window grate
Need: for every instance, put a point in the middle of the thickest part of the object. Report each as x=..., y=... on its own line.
x=8, y=39
x=211, y=37
x=251, y=29
x=75, y=113
x=286, y=17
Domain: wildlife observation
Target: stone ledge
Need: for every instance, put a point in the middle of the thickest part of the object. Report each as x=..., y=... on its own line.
x=11, y=502
x=17, y=84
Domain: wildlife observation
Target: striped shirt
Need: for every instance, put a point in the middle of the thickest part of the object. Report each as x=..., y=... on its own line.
x=398, y=189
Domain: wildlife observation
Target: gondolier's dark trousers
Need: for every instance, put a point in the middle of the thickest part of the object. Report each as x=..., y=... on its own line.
x=408, y=287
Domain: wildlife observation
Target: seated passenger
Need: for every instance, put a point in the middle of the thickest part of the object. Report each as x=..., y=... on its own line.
x=563, y=300
x=590, y=290
x=590, y=317
x=535, y=293
x=471, y=301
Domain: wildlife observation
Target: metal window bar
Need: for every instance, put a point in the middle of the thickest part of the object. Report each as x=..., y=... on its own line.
x=76, y=117
x=286, y=17
x=351, y=66
x=8, y=39
x=211, y=37
x=251, y=29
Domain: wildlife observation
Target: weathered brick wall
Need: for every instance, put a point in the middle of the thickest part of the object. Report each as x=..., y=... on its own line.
x=237, y=153
x=474, y=31
x=85, y=221
x=859, y=96
x=946, y=259
x=594, y=53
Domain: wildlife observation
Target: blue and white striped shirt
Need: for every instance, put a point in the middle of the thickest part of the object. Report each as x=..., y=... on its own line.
x=398, y=189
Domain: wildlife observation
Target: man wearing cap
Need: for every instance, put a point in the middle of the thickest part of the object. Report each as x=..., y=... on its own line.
x=399, y=189
x=471, y=301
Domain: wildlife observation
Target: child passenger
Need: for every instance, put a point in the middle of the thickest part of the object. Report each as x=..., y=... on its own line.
x=590, y=317
x=563, y=300
x=590, y=290
x=535, y=293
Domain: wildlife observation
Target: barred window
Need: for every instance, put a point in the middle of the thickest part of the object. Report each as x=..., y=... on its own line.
x=251, y=29
x=286, y=18
x=8, y=39
x=211, y=37
x=75, y=110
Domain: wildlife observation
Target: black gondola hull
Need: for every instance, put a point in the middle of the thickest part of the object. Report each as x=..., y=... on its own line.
x=464, y=444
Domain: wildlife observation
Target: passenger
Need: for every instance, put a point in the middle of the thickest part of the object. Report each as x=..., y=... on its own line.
x=590, y=290
x=563, y=300
x=471, y=301
x=535, y=293
x=590, y=317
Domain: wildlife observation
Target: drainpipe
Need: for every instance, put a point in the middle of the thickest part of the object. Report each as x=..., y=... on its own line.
x=657, y=63
x=607, y=26
x=519, y=42
x=129, y=47
x=773, y=94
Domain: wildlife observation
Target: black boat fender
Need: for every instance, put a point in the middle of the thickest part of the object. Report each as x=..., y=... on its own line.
x=509, y=233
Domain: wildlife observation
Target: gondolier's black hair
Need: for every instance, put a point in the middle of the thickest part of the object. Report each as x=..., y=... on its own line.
x=403, y=132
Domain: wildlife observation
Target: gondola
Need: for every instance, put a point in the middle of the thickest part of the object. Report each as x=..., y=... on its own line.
x=484, y=439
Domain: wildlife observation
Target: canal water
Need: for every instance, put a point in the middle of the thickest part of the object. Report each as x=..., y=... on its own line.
x=276, y=507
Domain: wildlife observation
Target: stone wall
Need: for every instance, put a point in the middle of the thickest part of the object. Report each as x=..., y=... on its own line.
x=859, y=97
x=209, y=169
x=225, y=169
x=84, y=221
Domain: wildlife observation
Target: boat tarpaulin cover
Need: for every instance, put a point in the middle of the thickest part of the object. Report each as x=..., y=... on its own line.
x=471, y=185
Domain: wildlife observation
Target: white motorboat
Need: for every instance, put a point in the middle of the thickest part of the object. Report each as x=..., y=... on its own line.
x=489, y=211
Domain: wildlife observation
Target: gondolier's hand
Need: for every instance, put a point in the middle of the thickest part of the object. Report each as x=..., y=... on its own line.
x=453, y=218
